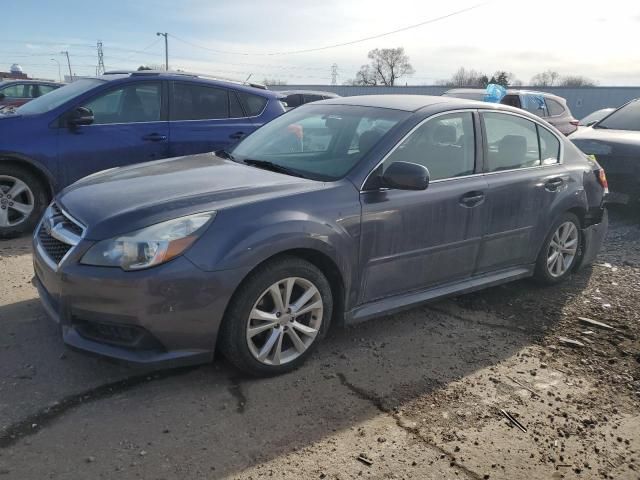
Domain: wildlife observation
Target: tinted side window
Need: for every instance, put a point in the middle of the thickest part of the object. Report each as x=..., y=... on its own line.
x=44, y=89
x=235, y=110
x=549, y=146
x=254, y=104
x=198, y=102
x=555, y=108
x=512, y=142
x=445, y=145
x=13, y=91
x=625, y=118
x=134, y=103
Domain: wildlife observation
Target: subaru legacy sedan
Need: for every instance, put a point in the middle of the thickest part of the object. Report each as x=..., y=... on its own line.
x=337, y=211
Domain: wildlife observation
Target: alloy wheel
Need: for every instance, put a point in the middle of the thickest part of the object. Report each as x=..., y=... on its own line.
x=562, y=249
x=16, y=201
x=285, y=321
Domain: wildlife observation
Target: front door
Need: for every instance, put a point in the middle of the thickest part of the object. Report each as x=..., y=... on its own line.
x=205, y=119
x=413, y=240
x=524, y=177
x=127, y=128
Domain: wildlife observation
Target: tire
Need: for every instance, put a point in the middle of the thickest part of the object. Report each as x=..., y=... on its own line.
x=550, y=271
x=254, y=307
x=20, y=187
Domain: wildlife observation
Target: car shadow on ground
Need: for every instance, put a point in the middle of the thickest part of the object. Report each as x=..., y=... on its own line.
x=213, y=419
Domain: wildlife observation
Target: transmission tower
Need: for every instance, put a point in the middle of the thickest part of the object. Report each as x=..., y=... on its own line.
x=334, y=74
x=100, y=67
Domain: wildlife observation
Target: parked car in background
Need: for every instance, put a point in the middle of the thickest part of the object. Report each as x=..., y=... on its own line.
x=552, y=108
x=615, y=143
x=295, y=98
x=379, y=203
x=114, y=120
x=14, y=93
x=595, y=117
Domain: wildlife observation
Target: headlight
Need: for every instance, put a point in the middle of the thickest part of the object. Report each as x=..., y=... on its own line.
x=150, y=246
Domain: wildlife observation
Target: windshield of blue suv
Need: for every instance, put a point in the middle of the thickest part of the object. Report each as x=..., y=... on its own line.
x=52, y=100
x=321, y=142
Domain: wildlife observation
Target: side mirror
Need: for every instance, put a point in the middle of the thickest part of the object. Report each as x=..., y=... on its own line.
x=80, y=116
x=406, y=176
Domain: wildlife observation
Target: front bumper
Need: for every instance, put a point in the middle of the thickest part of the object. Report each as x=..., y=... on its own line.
x=165, y=316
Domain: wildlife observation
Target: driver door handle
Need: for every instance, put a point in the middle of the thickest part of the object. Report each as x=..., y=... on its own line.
x=553, y=184
x=237, y=136
x=472, y=199
x=154, y=137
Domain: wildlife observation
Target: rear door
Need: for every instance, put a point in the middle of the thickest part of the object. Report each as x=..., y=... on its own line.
x=414, y=240
x=524, y=177
x=129, y=127
x=205, y=118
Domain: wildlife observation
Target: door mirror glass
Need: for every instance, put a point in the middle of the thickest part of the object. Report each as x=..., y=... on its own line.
x=81, y=116
x=406, y=176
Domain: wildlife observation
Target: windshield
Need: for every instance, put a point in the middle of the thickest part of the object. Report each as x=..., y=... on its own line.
x=626, y=117
x=596, y=116
x=52, y=100
x=321, y=142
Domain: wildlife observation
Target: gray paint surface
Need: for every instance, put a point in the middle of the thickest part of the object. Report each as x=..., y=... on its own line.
x=581, y=101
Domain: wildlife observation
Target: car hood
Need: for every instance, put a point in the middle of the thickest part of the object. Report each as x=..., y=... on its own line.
x=601, y=141
x=125, y=199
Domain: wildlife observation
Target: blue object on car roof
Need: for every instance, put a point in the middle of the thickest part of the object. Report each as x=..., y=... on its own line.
x=494, y=93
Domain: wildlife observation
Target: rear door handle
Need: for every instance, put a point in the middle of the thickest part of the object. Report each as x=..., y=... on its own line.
x=553, y=184
x=154, y=137
x=237, y=136
x=472, y=199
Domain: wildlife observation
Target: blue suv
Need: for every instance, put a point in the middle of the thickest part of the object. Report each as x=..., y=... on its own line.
x=117, y=119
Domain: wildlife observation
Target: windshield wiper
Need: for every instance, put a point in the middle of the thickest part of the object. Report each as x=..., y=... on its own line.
x=274, y=167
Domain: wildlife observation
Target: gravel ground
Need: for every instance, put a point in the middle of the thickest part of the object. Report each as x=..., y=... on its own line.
x=512, y=382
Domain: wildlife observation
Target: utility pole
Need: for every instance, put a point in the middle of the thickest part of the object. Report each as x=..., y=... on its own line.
x=100, y=67
x=166, y=49
x=334, y=74
x=66, y=52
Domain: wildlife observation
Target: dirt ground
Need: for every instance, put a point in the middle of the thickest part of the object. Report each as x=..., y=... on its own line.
x=512, y=382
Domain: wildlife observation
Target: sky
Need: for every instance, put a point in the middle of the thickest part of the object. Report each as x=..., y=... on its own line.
x=235, y=39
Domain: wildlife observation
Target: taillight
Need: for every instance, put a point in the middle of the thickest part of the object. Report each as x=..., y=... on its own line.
x=575, y=123
x=602, y=179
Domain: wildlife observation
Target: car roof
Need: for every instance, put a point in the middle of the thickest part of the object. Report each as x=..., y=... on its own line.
x=37, y=82
x=408, y=103
x=200, y=77
x=510, y=91
x=309, y=92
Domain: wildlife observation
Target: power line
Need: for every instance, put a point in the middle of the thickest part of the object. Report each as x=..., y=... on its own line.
x=336, y=45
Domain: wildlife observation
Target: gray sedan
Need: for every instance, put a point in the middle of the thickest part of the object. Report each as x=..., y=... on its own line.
x=337, y=211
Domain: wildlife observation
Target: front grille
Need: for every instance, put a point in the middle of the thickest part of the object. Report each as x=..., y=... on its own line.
x=52, y=246
x=58, y=234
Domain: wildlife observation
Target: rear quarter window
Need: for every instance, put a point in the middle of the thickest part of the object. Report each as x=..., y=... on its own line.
x=252, y=104
x=555, y=108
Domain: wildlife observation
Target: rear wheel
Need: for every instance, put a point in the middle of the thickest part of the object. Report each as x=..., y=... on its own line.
x=560, y=251
x=23, y=198
x=277, y=317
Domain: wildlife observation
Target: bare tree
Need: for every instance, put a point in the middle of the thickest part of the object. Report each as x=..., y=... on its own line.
x=545, y=79
x=386, y=66
x=466, y=78
x=576, y=81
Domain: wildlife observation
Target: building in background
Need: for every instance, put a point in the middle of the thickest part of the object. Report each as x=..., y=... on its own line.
x=14, y=73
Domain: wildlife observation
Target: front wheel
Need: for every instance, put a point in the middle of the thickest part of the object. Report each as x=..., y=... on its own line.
x=560, y=251
x=277, y=317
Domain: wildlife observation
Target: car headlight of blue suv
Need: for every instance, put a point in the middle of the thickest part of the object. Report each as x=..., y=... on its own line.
x=149, y=246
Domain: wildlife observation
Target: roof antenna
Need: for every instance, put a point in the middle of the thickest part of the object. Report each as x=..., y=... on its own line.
x=245, y=82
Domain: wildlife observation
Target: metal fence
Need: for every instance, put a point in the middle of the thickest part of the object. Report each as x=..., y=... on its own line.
x=582, y=101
